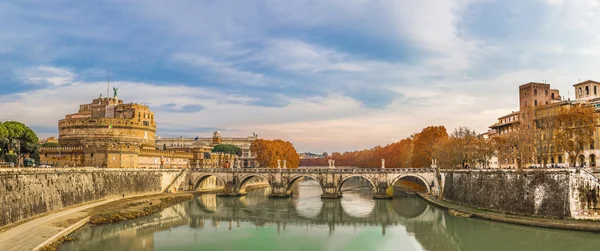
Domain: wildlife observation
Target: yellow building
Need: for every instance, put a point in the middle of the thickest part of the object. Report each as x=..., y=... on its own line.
x=532, y=95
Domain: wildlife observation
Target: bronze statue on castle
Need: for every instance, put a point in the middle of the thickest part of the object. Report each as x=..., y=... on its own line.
x=115, y=91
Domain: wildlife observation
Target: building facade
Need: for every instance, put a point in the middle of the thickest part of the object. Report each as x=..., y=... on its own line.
x=246, y=160
x=534, y=95
x=111, y=134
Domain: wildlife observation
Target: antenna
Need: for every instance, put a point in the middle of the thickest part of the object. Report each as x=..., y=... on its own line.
x=108, y=84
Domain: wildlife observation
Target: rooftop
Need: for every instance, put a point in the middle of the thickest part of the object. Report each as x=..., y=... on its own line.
x=589, y=81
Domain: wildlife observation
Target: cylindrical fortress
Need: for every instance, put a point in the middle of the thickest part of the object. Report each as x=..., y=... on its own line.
x=76, y=132
x=108, y=120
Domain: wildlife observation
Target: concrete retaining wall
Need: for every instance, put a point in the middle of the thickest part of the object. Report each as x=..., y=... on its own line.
x=562, y=193
x=29, y=192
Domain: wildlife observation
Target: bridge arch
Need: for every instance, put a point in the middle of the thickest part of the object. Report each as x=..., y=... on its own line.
x=346, y=178
x=241, y=185
x=425, y=181
x=294, y=179
x=203, y=177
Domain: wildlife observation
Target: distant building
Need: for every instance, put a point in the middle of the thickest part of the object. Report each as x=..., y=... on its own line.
x=48, y=140
x=309, y=155
x=181, y=143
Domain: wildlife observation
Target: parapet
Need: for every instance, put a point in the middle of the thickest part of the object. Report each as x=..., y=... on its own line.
x=105, y=123
x=166, y=153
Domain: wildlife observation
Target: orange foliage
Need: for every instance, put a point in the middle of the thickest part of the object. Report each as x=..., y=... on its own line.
x=424, y=144
x=401, y=154
x=267, y=153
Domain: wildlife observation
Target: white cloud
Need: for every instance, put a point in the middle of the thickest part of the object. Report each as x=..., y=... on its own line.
x=44, y=75
x=223, y=71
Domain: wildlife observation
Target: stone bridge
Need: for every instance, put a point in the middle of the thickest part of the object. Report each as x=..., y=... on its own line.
x=331, y=180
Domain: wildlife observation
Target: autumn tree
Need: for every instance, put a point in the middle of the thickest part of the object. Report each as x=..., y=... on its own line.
x=485, y=150
x=267, y=152
x=544, y=136
x=462, y=149
x=577, y=125
x=463, y=141
x=424, y=145
x=520, y=144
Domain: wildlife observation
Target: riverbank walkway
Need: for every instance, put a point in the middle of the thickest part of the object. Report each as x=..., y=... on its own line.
x=36, y=233
x=564, y=224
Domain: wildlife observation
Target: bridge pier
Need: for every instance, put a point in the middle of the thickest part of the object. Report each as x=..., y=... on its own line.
x=331, y=191
x=230, y=190
x=381, y=192
x=279, y=190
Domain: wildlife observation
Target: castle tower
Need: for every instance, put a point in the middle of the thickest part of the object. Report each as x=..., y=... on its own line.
x=216, y=138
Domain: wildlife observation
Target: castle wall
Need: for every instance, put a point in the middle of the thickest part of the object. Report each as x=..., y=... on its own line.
x=118, y=156
x=76, y=132
x=29, y=192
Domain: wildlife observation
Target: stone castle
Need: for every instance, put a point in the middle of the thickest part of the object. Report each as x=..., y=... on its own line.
x=111, y=134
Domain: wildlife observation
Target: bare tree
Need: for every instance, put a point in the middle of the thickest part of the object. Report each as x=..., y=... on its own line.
x=577, y=125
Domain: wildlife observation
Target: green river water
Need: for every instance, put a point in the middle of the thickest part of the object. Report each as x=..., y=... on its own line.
x=307, y=223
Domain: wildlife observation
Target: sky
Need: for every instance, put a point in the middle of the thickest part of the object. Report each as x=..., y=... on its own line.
x=334, y=75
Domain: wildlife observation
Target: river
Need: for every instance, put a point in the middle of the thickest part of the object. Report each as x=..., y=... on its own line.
x=307, y=223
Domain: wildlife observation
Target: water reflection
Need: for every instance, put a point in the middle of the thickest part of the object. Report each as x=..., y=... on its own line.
x=306, y=222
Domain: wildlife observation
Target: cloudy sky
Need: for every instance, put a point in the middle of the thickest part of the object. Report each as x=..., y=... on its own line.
x=326, y=75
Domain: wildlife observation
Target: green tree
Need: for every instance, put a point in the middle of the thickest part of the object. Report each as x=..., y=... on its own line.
x=3, y=131
x=227, y=148
x=22, y=137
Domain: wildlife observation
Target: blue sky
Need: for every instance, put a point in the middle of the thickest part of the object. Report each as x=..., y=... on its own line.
x=326, y=75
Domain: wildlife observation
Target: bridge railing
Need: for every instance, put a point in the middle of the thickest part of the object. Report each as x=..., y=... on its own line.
x=313, y=170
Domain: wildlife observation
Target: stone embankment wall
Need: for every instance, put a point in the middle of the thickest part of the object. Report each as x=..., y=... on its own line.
x=561, y=193
x=29, y=192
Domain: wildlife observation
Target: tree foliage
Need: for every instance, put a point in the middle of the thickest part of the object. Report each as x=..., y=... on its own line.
x=577, y=125
x=19, y=139
x=3, y=131
x=267, y=152
x=227, y=148
x=464, y=148
x=424, y=144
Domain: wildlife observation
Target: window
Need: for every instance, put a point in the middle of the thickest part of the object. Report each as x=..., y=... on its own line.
x=592, y=144
x=525, y=94
x=535, y=102
x=546, y=92
x=595, y=92
x=552, y=95
x=579, y=91
x=560, y=159
x=587, y=90
x=534, y=92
